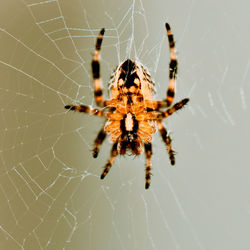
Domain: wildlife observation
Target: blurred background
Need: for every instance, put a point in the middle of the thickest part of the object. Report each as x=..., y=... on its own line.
x=51, y=195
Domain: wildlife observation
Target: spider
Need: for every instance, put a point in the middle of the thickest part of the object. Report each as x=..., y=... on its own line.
x=131, y=112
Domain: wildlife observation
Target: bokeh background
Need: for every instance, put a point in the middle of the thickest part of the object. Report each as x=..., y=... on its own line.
x=51, y=196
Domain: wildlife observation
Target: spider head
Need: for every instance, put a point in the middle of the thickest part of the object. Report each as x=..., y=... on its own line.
x=130, y=143
x=129, y=138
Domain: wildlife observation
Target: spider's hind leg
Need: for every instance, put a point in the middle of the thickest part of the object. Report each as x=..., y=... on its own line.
x=85, y=109
x=96, y=70
x=172, y=66
x=177, y=106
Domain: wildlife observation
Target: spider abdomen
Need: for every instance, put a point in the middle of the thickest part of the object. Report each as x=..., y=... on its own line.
x=131, y=79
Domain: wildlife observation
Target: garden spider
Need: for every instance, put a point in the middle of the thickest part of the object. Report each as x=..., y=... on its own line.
x=132, y=114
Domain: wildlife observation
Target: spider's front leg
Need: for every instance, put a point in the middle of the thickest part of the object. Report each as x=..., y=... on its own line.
x=98, y=142
x=148, y=152
x=167, y=140
x=114, y=152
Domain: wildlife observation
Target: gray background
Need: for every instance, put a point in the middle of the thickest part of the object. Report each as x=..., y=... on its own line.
x=51, y=196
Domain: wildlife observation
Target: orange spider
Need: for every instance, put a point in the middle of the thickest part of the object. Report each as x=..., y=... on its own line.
x=132, y=114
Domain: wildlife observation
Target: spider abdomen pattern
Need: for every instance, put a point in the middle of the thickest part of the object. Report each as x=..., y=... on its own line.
x=132, y=114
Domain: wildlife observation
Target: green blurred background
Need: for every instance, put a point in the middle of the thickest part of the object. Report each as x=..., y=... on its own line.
x=51, y=196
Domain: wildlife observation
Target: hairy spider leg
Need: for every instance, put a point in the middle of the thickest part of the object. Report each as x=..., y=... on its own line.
x=177, y=106
x=96, y=70
x=86, y=109
x=167, y=140
x=98, y=142
x=172, y=66
x=155, y=105
x=148, y=152
x=107, y=167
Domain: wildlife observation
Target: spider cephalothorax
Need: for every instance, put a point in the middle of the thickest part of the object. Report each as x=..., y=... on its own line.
x=131, y=112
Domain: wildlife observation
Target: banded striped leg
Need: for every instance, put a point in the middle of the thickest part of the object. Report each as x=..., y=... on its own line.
x=85, y=109
x=148, y=152
x=176, y=107
x=155, y=105
x=98, y=142
x=96, y=70
x=107, y=167
x=166, y=138
x=172, y=66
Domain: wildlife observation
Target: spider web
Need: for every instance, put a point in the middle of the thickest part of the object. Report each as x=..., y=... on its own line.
x=50, y=191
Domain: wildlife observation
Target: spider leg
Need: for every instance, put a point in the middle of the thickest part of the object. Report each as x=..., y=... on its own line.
x=85, y=109
x=166, y=138
x=96, y=70
x=172, y=66
x=98, y=142
x=107, y=167
x=173, y=109
x=155, y=105
x=148, y=152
